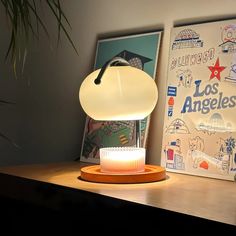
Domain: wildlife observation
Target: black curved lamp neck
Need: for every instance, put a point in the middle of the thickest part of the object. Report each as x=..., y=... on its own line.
x=119, y=61
x=116, y=61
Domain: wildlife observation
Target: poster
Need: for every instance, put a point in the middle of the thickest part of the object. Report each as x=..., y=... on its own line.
x=141, y=51
x=199, y=133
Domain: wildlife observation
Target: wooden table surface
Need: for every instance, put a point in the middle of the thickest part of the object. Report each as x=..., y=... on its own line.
x=207, y=198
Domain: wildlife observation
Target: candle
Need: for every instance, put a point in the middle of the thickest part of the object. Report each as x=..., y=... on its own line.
x=122, y=160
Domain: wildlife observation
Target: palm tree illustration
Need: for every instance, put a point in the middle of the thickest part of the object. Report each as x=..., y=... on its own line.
x=230, y=145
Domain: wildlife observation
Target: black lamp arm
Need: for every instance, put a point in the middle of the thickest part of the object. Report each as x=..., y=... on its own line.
x=116, y=61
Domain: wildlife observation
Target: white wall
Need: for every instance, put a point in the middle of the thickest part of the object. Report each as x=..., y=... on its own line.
x=47, y=120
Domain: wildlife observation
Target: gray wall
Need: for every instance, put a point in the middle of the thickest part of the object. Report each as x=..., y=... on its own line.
x=47, y=120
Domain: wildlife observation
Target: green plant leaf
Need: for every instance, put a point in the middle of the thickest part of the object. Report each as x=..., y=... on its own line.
x=19, y=14
x=6, y=102
x=38, y=19
x=9, y=140
x=61, y=24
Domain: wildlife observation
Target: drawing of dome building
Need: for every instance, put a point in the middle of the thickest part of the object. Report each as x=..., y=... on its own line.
x=187, y=38
x=217, y=122
x=177, y=126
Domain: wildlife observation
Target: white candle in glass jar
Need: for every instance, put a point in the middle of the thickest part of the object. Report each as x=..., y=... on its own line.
x=122, y=160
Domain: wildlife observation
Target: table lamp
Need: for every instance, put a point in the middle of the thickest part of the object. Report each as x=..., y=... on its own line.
x=115, y=92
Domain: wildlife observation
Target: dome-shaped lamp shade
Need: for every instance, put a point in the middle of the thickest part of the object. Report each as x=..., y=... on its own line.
x=125, y=93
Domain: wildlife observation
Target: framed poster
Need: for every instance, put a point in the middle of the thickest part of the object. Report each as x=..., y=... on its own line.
x=141, y=51
x=199, y=133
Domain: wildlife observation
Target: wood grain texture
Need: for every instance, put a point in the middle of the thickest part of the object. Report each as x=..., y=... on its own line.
x=206, y=198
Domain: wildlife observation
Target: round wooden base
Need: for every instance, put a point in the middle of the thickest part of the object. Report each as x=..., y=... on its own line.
x=151, y=173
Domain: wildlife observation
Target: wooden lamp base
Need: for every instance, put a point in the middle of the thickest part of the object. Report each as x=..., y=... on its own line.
x=151, y=173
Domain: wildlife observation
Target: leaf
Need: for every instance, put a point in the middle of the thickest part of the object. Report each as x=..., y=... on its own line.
x=62, y=26
x=38, y=19
x=19, y=14
x=3, y=135
x=9, y=140
x=62, y=13
x=6, y=102
x=37, y=23
x=24, y=59
x=59, y=25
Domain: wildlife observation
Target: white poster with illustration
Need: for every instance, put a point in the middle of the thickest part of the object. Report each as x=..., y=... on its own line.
x=199, y=133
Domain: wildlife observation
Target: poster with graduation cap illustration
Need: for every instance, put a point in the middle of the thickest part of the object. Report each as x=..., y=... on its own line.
x=199, y=133
x=141, y=51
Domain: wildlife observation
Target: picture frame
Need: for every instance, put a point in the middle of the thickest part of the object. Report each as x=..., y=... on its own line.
x=141, y=51
x=199, y=133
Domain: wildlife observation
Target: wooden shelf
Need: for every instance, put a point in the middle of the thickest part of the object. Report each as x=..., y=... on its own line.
x=203, y=198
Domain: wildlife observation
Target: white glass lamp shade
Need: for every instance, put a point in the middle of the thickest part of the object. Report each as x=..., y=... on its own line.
x=125, y=93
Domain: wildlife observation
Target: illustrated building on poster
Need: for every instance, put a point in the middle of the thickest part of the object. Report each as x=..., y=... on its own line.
x=228, y=38
x=232, y=74
x=187, y=38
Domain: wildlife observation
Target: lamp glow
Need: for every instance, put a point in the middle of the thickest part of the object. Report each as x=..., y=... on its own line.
x=122, y=160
